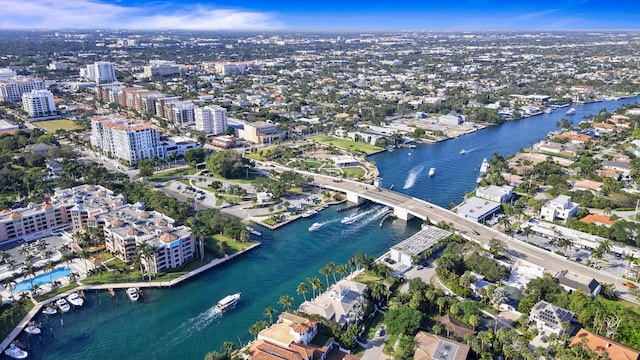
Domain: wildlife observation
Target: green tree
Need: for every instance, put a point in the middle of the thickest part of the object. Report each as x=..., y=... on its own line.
x=302, y=289
x=403, y=320
x=147, y=168
x=286, y=301
x=269, y=311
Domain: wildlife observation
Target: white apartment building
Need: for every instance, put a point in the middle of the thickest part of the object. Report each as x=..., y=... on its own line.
x=6, y=73
x=12, y=88
x=212, y=120
x=160, y=68
x=183, y=113
x=125, y=139
x=39, y=104
x=99, y=72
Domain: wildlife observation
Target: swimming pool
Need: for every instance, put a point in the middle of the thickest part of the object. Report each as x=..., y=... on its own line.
x=42, y=279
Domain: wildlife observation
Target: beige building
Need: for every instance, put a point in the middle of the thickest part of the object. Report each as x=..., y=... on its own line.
x=260, y=132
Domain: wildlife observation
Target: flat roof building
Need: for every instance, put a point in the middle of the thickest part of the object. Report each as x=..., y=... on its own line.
x=424, y=239
x=477, y=209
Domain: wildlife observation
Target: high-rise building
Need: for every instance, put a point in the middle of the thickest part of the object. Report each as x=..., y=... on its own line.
x=159, y=68
x=125, y=139
x=183, y=113
x=99, y=72
x=39, y=104
x=212, y=120
x=12, y=88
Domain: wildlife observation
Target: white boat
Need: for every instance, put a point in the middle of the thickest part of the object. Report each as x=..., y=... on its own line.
x=49, y=310
x=315, y=226
x=32, y=330
x=228, y=302
x=350, y=219
x=484, y=167
x=463, y=151
x=478, y=180
x=547, y=110
x=571, y=111
x=253, y=231
x=309, y=213
x=132, y=293
x=63, y=305
x=15, y=352
x=75, y=299
x=432, y=172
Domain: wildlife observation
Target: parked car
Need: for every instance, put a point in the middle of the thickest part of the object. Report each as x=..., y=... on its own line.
x=380, y=331
x=419, y=267
x=389, y=261
x=629, y=284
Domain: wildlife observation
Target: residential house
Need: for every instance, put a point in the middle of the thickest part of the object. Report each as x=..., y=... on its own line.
x=571, y=281
x=343, y=302
x=495, y=193
x=549, y=318
x=559, y=208
x=434, y=347
x=601, y=345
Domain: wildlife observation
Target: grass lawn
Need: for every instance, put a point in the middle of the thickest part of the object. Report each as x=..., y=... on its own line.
x=348, y=144
x=53, y=125
x=373, y=325
x=368, y=278
x=354, y=172
x=57, y=291
x=232, y=245
x=168, y=175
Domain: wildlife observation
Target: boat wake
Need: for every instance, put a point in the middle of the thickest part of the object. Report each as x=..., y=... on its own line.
x=187, y=328
x=474, y=149
x=413, y=176
x=367, y=217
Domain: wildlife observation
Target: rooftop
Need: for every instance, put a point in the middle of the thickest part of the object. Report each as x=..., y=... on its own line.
x=421, y=240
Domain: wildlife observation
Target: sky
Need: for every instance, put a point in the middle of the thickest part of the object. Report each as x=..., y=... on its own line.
x=345, y=15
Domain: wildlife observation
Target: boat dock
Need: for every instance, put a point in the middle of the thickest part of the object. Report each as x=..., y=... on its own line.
x=111, y=288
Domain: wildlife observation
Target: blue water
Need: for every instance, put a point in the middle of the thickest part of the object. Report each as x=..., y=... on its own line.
x=42, y=279
x=180, y=322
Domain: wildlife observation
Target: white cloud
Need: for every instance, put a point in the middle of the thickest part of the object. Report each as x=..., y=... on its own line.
x=60, y=14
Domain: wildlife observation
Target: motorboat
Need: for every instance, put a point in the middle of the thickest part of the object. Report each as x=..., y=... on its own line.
x=49, y=310
x=132, y=293
x=63, y=305
x=75, y=299
x=253, y=231
x=484, y=166
x=432, y=171
x=32, y=329
x=350, y=219
x=15, y=352
x=463, y=151
x=547, y=110
x=315, y=226
x=309, y=213
x=571, y=111
x=228, y=302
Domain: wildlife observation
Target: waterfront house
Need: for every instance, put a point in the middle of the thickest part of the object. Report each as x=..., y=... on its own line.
x=343, y=303
x=477, y=209
x=495, y=193
x=547, y=317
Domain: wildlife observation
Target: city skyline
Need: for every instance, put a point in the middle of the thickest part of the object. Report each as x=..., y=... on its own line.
x=328, y=15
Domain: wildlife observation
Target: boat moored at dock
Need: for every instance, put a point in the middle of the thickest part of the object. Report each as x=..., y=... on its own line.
x=15, y=352
x=75, y=299
x=63, y=305
x=132, y=293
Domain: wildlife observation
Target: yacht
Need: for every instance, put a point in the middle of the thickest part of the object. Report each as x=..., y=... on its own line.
x=15, y=352
x=315, y=226
x=463, y=151
x=228, y=302
x=484, y=167
x=571, y=111
x=75, y=299
x=547, y=110
x=432, y=172
x=32, y=329
x=49, y=310
x=63, y=305
x=309, y=213
x=132, y=293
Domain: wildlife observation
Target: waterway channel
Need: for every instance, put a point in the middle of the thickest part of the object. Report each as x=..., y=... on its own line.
x=180, y=323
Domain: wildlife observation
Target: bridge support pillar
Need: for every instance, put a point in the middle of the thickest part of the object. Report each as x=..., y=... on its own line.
x=402, y=213
x=354, y=198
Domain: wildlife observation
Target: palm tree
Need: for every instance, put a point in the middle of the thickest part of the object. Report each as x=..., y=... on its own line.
x=325, y=270
x=29, y=271
x=341, y=270
x=244, y=237
x=286, y=301
x=565, y=243
x=352, y=264
x=228, y=348
x=527, y=231
x=269, y=311
x=302, y=289
x=316, y=284
x=84, y=254
x=332, y=270
x=48, y=267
